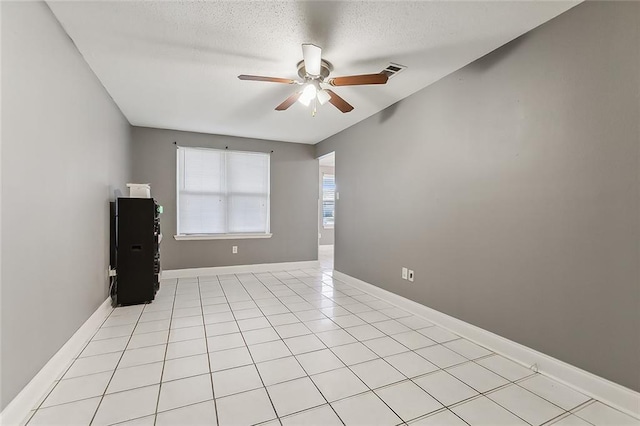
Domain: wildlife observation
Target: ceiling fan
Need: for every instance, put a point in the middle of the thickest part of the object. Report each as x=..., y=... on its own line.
x=314, y=72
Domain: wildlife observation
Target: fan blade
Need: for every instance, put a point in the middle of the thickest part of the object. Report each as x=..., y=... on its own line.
x=338, y=102
x=269, y=79
x=312, y=55
x=288, y=102
x=355, y=80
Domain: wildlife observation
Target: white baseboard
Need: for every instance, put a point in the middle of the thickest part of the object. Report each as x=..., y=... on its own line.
x=594, y=386
x=239, y=269
x=18, y=409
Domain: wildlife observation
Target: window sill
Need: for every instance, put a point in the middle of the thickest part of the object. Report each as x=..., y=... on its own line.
x=327, y=227
x=194, y=237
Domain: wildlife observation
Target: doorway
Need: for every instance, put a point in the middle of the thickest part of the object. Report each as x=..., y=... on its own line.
x=326, y=210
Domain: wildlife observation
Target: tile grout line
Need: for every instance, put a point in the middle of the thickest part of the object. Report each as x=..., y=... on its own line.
x=509, y=382
x=292, y=355
x=581, y=407
x=562, y=417
x=347, y=366
x=439, y=411
x=352, y=372
x=328, y=348
x=504, y=386
x=340, y=327
x=114, y=370
x=555, y=419
x=166, y=349
x=524, y=379
x=206, y=343
x=250, y=354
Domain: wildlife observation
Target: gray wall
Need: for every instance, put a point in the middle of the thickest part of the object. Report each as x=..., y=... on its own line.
x=65, y=147
x=326, y=235
x=512, y=189
x=294, y=179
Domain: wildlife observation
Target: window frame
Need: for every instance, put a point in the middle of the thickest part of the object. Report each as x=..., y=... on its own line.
x=222, y=236
x=328, y=226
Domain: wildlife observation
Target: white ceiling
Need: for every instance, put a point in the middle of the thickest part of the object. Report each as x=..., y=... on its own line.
x=174, y=65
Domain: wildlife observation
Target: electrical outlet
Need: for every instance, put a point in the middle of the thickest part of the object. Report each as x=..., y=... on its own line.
x=410, y=275
x=234, y=249
x=404, y=273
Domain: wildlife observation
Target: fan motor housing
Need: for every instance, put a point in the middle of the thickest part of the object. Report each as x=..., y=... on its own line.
x=325, y=69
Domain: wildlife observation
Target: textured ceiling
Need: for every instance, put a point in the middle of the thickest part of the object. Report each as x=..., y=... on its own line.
x=174, y=65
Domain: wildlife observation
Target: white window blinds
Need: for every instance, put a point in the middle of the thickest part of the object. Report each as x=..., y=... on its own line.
x=222, y=192
x=328, y=200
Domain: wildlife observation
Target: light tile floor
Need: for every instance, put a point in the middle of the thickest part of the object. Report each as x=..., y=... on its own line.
x=296, y=348
x=325, y=256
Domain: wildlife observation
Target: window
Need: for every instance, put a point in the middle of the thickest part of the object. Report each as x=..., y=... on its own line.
x=222, y=193
x=328, y=200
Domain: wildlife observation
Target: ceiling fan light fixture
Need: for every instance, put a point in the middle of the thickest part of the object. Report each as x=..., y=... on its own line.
x=304, y=101
x=308, y=93
x=323, y=96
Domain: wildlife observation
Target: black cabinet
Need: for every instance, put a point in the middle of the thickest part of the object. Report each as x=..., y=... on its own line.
x=137, y=254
